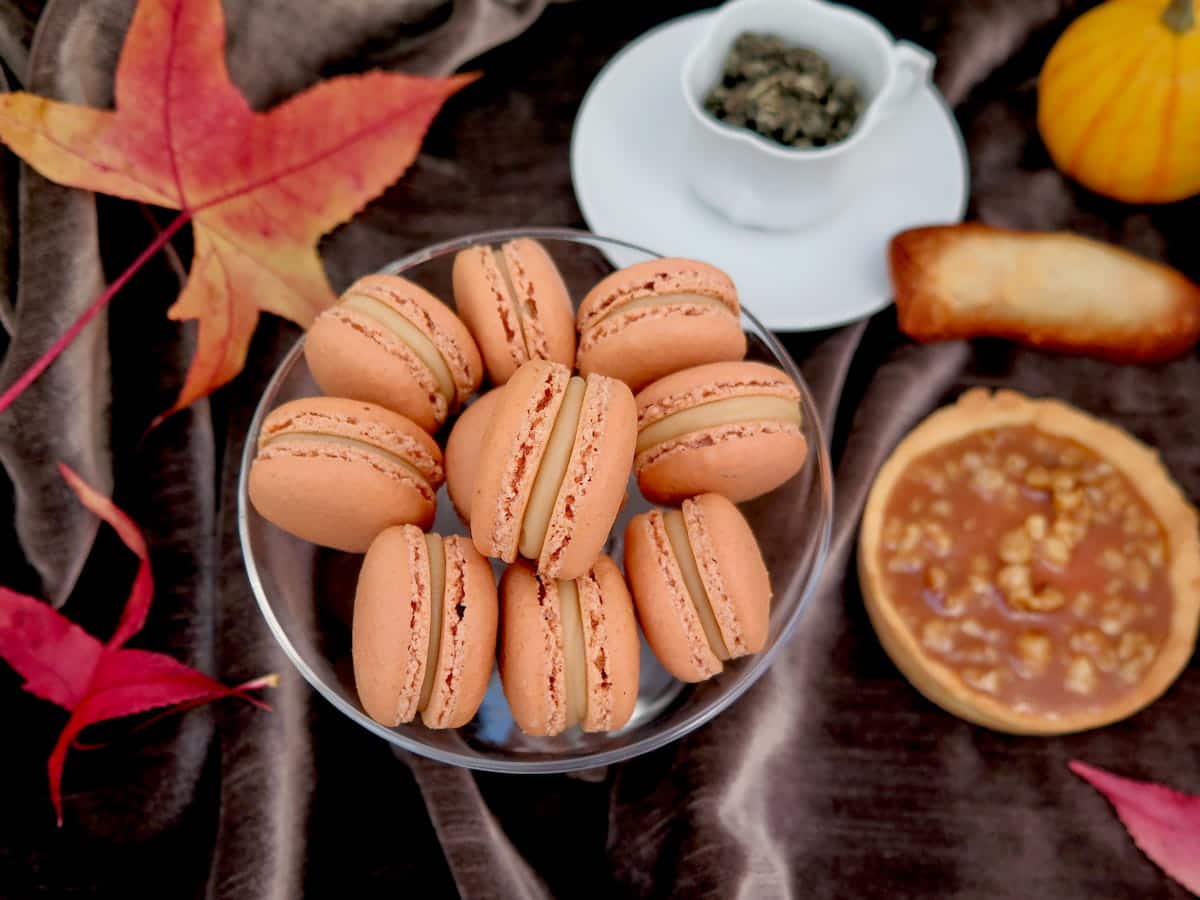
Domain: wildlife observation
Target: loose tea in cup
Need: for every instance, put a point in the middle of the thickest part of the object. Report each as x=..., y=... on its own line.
x=785, y=93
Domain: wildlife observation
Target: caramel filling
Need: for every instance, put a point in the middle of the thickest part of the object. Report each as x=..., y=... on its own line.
x=552, y=470
x=719, y=412
x=328, y=440
x=437, y=590
x=1029, y=566
x=677, y=535
x=408, y=333
x=514, y=298
x=677, y=299
x=574, y=652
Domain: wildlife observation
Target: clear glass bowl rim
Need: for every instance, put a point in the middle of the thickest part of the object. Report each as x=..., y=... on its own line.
x=759, y=664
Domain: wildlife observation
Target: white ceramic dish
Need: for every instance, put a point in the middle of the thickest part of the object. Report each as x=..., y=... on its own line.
x=631, y=133
x=755, y=182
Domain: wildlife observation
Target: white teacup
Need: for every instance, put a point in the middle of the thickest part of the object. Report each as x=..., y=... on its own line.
x=756, y=182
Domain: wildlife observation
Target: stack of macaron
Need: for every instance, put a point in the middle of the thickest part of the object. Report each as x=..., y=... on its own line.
x=648, y=379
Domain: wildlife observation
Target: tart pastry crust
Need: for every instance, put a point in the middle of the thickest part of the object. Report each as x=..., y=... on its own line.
x=977, y=411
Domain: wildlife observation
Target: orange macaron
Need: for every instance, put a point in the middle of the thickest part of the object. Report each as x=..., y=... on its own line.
x=463, y=448
x=553, y=468
x=702, y=591
x=656, y=317
x=568, y=650
x=424, y=630
x=391, y=342
x=337, y=472
x=732, y=428
x=516, y=304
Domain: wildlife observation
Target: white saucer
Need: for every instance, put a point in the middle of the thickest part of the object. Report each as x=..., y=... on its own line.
x=625, y=148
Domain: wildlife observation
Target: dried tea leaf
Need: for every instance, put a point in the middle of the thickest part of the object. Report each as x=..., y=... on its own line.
x=787, y=94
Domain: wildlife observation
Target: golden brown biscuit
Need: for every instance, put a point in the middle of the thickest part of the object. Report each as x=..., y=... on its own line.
x=1044, y=289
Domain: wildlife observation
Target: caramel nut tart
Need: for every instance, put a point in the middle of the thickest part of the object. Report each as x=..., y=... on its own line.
x=1029, y=567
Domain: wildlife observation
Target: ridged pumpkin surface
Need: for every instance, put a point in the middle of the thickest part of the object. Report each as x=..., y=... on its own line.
x=1119, y=101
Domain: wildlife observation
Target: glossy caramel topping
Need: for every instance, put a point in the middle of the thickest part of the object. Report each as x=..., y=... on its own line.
x=1030, y=567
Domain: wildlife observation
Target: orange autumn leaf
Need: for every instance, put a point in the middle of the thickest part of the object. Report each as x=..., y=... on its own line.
x=259, y=188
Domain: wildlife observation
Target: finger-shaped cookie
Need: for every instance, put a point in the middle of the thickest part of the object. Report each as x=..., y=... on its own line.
x=1053, y=290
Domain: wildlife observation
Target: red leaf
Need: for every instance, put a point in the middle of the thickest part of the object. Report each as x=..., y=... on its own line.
x=54, y=655
x=127, y=682
x=259, y=188
x=62, y=663
x=42, y=363
x=1165, y=824
x=137, y=606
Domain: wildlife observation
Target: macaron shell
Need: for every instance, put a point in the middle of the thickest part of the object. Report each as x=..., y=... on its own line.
x=646, y=344
x=545, y=330
x=468, y=637
x=655, y=277
x=665, y=610
x=352, y=355
x=612, y=647
x=294, y=494
x=335, y=494
x=390, y=631
x=373, y=424
x=550, y=330
x=740, y=461
x=731, y=566
x=532, y=667
x=481, y=300
x=594, y=487
x=513, y=447
x=439, y=323
x=464, y=447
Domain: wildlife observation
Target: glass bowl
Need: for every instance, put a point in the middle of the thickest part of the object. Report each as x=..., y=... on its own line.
x=306, y=593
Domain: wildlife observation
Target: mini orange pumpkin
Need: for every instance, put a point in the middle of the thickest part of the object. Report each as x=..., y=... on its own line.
x=1119, y=100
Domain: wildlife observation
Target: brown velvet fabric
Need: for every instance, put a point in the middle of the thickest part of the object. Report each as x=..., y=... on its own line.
x=831, y=778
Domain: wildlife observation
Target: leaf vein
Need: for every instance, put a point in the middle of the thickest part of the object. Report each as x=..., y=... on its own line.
x=317, y=158
x=258, y=261
x=102, y=168
x=168, y=132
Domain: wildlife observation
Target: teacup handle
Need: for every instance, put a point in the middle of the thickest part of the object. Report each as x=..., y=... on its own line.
x=914, y=65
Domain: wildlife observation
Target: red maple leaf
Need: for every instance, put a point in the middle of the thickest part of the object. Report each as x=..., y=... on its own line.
x=259, y=188
x=1165, y=824
x=62, y=663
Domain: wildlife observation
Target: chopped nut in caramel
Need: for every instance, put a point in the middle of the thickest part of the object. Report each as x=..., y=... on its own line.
x=1056, y=597
x=1081, y=676
x=1034, y=650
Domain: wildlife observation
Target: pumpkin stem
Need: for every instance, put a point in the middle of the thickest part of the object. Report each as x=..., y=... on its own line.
x=1179, y=16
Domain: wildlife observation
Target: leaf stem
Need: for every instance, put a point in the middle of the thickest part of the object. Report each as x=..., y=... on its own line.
x=169, y=251
x=1180, y=16
x=14, y=390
